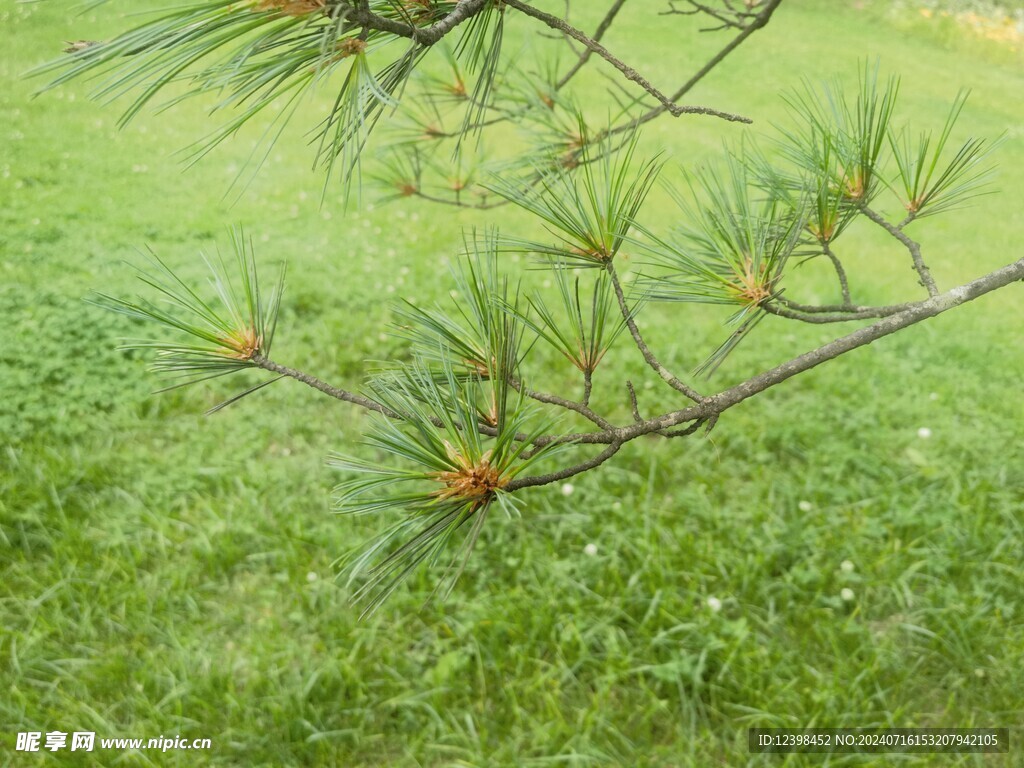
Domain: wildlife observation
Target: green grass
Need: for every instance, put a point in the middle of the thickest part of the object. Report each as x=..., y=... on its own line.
x=166, y=573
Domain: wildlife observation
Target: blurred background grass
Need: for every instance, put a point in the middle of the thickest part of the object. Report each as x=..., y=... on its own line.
x=166, y=573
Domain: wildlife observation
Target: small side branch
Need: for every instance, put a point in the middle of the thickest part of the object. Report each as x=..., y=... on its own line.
x=667, y=104
x=855, y=309
x=652, y=361
x=561, y=402
x=911, y=245
x=360, y=15
x=842, y=315
x=762, y=19
x=686, y=431
x=602, y=28
x=634, y=406
x=312, y=381
x=844, y=284
x=725, y=22
x=564, y=474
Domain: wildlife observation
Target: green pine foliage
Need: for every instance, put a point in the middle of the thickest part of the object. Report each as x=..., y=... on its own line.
x=224, y=333
x=583, y=331
x=588, y=201
x=930, y=180
x=454, y=428
x=436, y=471
x=816, y=560
x=742, y=226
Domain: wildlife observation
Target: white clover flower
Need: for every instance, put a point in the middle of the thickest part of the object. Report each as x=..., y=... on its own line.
x=924, y=433
x=714, y=604
x=590, y=550
x=847, y=595
x=847, y=566
x=311, y=577
x=805, y=506
x=567, y=489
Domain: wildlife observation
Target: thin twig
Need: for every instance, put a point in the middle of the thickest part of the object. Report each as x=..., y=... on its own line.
x=602, y=28
x=842, y=316
x=350, y=397
x=426, y=36
x=652, y=361
x=312, y=381
x=561, y=402
x=633, y=404
x=685, y=431
x=460, y=203
x=915, y=249
x=844, y=284
x=865, y=311
x=668, y=105
x=762, y=19
x=564, y=474
x=724, y=21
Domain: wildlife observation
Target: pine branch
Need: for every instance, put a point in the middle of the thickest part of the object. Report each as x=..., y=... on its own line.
x=666, y=375
x=667, y=104
x=912, y=246
x=714, y=405
x=864, y=311
x=565, y=474
x=844, y=283
x=362, y=16
x=584, y=57
x=312, y=381
x=760, y=22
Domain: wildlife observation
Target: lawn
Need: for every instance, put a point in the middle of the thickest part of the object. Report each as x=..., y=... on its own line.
x=815, y=560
